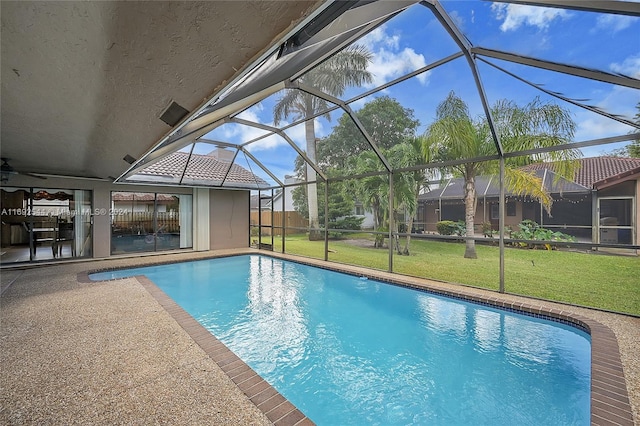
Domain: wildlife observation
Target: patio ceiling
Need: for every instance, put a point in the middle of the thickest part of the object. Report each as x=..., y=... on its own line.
x=237, y=108
x=84, y=83
x=80, y=96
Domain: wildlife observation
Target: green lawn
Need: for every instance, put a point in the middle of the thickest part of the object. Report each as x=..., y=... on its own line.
x=610, y=282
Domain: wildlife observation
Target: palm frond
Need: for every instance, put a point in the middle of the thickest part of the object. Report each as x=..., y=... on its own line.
x=521, y=182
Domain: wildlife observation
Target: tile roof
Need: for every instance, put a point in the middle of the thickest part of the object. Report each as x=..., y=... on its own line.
x=595, y=169
x=590, y=171
x=489, y=186
x=202, y=169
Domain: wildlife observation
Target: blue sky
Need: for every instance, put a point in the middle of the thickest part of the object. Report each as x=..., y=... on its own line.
x=415, y=38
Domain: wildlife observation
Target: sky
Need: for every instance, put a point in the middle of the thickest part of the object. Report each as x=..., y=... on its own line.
x=415, y=38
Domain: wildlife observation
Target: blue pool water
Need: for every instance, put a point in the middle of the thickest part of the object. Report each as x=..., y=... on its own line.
x=350, y=351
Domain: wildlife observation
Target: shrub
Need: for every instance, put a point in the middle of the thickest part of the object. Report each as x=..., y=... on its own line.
x=446, y=227
x=530, y=230
x=486, y=230
x=449, y=227
x=349, y=222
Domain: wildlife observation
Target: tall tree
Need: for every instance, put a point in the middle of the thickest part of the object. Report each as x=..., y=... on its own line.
x=387, y=122
x=454, y=135
x=333, y=76
x=341, y=202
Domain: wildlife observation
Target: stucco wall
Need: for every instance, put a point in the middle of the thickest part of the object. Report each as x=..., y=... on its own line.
x=229, y=226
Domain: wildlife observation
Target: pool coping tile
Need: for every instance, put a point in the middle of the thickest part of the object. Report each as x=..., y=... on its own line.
x=609, y=396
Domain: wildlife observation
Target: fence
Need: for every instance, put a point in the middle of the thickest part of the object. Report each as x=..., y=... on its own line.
x=141, y=223
x=292, y=220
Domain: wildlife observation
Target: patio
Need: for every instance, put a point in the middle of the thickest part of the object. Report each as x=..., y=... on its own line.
x=75, y=352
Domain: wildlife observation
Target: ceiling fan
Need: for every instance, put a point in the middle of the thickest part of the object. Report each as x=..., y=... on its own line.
x=6, y=170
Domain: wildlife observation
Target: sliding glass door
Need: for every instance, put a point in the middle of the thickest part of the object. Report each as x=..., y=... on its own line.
x=149, y=221
x=45, y=224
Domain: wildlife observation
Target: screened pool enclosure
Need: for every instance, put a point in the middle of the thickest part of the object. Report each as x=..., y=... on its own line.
x=341, y=129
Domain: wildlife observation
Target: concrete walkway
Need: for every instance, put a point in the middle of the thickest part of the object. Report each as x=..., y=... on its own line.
x=105, y=353
x=108, y=353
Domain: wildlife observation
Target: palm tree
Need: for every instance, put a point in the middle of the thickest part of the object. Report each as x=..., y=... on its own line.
x=333, y=76
x=405, y=197
x=413, y=155
x=372, y=191
x=455, y=135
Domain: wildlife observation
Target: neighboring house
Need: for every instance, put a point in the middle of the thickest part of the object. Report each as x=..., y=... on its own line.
x=288, y=195
x=599, y=205
x=358, y=210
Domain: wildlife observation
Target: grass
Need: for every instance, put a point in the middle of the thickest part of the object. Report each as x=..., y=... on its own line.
x=610, y=282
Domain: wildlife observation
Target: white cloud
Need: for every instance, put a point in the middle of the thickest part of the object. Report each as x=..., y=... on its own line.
x=614, y=23
x=516, y=15
x=270, y=142
x=629, y=67
x=593, y=126
x=458, y=19
x=389, y=60
x=295, y=133
x=252, y=113
x=597, y=126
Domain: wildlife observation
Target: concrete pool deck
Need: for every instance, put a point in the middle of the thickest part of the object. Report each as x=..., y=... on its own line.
x=110, y=353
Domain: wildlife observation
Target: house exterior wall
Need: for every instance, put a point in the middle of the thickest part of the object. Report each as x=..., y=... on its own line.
x=288, y=195
x=101, y=202
x=201, y=219
x=430, y=217
x=482, y=215
x=229, y=221
x=288, y=200
x=367, y=222
x=629, y=187
x=220, y=217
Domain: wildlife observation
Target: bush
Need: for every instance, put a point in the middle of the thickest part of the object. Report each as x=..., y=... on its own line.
x=351, y=223
x=486, y=230
x=449, y=227
x=446, y=227
x=530, y=230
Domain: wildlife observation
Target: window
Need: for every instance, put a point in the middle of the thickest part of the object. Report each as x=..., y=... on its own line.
x=147, y=221
x=510, y=210
x=45, y=224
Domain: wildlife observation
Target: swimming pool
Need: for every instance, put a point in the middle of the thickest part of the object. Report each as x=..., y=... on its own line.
x=347, y=350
